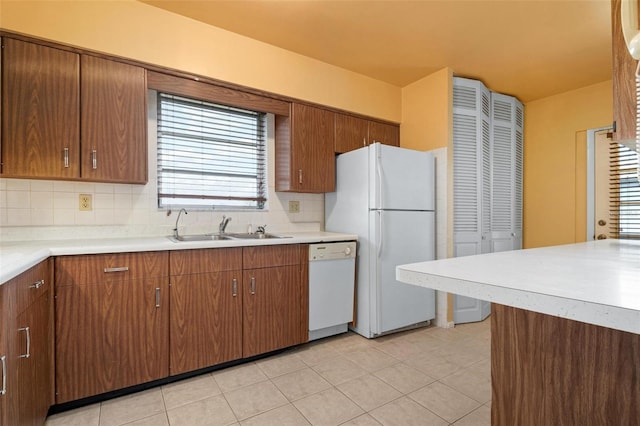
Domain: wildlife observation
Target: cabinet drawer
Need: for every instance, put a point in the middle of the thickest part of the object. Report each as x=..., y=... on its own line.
x=184, y=262
x=269, y=256
x=101, y=268
x=30, y=285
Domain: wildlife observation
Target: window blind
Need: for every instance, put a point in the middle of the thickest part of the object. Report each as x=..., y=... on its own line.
x=210, y=155
x=624, y=192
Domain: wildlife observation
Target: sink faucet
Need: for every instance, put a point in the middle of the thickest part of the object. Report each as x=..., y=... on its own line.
x=224, y=223
x=175, y=230
x=261, y=229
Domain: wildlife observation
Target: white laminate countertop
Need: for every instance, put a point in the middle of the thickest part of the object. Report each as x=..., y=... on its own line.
x=17, y=257
x=596, y=282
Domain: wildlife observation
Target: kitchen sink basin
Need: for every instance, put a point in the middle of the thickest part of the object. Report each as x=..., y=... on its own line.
x=256, y=236
x=199, y=237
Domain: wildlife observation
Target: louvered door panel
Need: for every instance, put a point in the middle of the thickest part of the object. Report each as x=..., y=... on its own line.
x=506, y=175
x=469, y=125
x=519, y=161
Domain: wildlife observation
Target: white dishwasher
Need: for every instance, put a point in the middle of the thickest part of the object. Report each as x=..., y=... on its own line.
x=332, y=275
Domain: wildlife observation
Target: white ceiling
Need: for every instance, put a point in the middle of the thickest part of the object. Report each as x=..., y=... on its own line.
x=531, y=49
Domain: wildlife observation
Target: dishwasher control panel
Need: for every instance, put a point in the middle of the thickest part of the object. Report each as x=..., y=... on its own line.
x=327, y=251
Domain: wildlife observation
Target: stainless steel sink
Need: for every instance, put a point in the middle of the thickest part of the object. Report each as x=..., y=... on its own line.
x=199, y=237
x=256, y=236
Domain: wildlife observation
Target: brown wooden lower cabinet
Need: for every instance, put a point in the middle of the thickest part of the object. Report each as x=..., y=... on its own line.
x=130, y=318
x=206, y=308
x=110, y=333
x=4, y=353
x=547, y=370
x=27, y=328
x=271, y=312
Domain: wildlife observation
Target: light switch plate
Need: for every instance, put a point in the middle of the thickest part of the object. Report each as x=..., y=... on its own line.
x=294, y=206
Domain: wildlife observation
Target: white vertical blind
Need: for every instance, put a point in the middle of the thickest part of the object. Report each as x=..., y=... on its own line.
x=210, y=155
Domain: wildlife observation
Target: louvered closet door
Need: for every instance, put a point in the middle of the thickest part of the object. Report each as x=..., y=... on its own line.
x=506, y=173
x=471, y=103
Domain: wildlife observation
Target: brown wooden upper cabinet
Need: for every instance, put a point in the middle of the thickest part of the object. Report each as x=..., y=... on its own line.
x=354, y=132
x=114, y=121
x=305, y=150
x=624, y=69
x=71, y=116
x=40, y=111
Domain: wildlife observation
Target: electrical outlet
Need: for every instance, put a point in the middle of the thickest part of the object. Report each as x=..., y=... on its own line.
x=85, y=202
x=294, y=206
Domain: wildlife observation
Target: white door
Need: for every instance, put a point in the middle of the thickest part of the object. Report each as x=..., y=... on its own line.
x=401, y=179
x=400, y=237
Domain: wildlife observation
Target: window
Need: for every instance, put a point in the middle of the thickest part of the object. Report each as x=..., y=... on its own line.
x=624, y=192
x=210, y=156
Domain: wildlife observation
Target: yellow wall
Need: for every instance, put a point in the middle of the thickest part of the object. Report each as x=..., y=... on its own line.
x=553, y=128
x=136, y=30
x=427, y=106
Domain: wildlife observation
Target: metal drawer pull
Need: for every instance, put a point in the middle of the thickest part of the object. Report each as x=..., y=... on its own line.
x=157, y=297
x=118, y=269
x=4, y=375
x=66, y=158
x=28, y=354
x=299, y=175
x=253, y=285
x=37, y=284
x=94, y=159
x=235, y=288
x=364, y=141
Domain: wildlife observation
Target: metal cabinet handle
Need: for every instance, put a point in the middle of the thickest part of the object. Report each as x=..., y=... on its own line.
x=94, y=159
x=253, y=285
x=117, y=269
x=4, y=375
x=157, y=297
x=66, y=158
x=28, y=354
x=37, y=284
x=234, y=292
x=364, y=141
x=299, y=175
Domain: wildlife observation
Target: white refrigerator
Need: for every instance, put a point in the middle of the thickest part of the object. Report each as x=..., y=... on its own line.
x=386, y=195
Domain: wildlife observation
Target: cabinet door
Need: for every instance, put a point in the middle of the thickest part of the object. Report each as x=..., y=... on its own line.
x=351, y=133
x=384, y=133
x=32, y=342
x=114, y=121
x=272, y=309
x=624, y=69
x=40, y=111
x=4, y=354
x=305, y=159
x=206, y=320
x=110, y=335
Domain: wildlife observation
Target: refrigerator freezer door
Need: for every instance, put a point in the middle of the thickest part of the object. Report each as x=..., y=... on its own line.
x=401, y=179
x=399, y=237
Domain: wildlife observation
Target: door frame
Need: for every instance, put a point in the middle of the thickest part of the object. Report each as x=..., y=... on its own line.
x=591, y=166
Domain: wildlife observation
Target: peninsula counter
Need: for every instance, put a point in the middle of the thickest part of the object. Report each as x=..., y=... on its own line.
x=565, y=329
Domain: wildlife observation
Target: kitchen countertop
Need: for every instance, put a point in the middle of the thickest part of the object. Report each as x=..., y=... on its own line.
x=17, y=257
x=595, y=282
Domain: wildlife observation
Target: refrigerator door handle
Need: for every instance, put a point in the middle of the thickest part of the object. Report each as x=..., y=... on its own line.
x=380, y=177
x=379, y=234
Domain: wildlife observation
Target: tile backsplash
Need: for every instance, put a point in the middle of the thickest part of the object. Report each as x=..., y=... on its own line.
x=42, y=210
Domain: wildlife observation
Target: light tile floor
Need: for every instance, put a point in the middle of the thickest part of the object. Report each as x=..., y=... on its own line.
x=430, y=376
